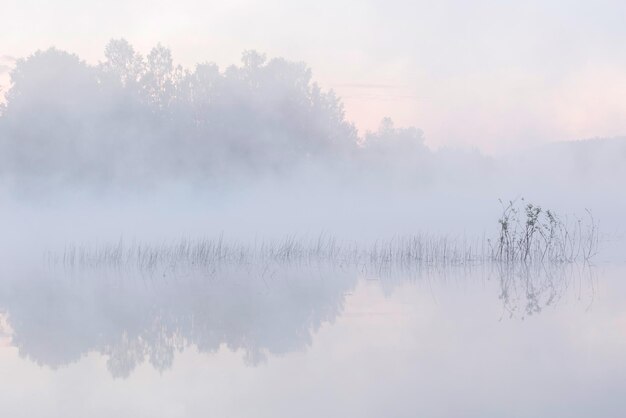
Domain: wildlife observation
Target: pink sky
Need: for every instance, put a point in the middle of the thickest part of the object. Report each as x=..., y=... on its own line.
x=492, y=76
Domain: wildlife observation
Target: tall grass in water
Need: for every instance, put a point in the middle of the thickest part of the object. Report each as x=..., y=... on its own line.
x=530, y=235
x=209, y=253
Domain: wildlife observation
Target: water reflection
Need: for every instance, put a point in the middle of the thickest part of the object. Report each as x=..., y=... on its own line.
x=56, y=319
x=527, y=289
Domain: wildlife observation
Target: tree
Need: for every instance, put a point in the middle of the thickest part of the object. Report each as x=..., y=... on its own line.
x=160, y=78
x=140, y=118
x=389, y=139
x=122, y=62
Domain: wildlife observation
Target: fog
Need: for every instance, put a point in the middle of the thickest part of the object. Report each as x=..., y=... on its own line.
x=141, y=147
x=194, y=239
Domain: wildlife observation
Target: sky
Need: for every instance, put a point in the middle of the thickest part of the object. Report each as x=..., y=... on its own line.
x=495, y=75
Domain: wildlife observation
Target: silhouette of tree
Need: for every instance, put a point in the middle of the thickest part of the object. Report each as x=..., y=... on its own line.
x=160, y=78
x=122, y=62
x=47, y=127
x=135, y=120
x=400, y=140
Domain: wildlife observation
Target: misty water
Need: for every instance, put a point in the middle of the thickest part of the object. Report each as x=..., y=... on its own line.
x=225, y=242
x=311, y=338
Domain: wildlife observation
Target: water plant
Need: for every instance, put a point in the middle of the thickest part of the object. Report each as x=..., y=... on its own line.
x=533, y=234
x=527, y=234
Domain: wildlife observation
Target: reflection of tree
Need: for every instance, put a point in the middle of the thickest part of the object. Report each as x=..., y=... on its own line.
x=131, y=319
x=57, y=321
x=527, y=288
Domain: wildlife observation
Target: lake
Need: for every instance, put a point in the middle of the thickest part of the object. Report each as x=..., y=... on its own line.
x=314, y=340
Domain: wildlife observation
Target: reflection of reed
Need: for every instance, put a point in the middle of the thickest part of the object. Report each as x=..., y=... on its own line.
x=131, y=317
x=527, y=288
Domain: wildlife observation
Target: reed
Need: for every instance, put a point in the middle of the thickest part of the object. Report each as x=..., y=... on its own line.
x=530, y=234
x=526, y=235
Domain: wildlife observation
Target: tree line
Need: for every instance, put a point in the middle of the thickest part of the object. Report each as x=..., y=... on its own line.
x=142, y=118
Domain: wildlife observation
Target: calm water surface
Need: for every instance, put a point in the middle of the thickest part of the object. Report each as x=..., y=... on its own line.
x=315, y=341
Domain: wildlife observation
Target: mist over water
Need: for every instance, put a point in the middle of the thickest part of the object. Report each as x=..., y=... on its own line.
x=259, y=147
x=224, y=240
